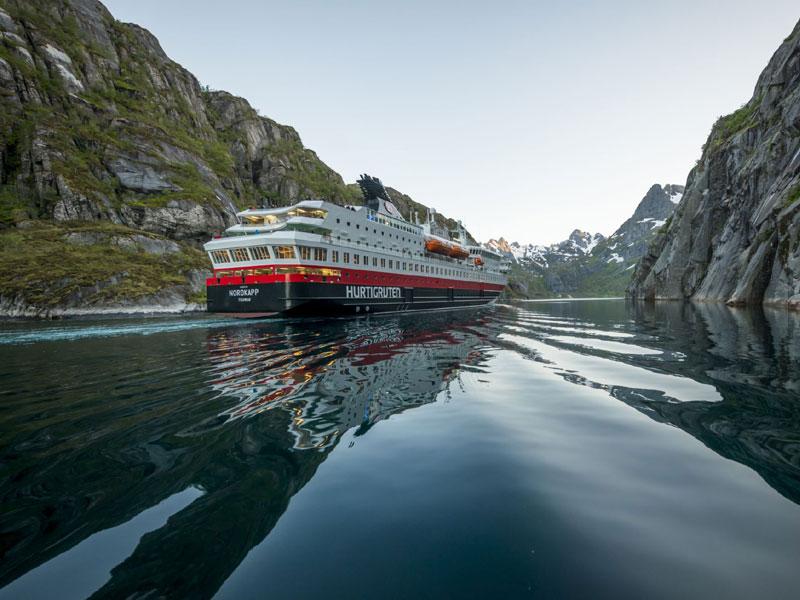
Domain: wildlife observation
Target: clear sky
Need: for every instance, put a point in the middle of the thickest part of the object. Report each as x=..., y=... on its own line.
x=524, y=119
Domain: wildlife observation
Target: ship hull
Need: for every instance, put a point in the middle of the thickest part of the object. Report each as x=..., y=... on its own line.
x=317, y=299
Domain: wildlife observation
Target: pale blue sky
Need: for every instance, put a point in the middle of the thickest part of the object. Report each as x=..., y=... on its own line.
x=524, y=119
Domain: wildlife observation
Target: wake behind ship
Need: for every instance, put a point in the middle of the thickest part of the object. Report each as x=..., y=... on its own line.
x=319, y=258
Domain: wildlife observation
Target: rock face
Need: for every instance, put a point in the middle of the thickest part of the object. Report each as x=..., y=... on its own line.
x=98, y=126
x=734, y=235
x=96, y=119
x=590, y=264
x=631, y=240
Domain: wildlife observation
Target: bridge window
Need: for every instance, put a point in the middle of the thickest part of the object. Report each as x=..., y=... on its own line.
x=259, y=252
x=305, y=253
x=284, y=252
x=320, y=254
x=220, y=256
x=240, y=254
x=356, y=259
x=334, y=256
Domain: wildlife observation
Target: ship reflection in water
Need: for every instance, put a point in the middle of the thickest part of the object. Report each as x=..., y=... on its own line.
x=364, y=376
x=283, y=459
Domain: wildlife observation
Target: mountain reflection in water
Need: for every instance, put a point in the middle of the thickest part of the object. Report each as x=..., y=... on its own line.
x=177, y=453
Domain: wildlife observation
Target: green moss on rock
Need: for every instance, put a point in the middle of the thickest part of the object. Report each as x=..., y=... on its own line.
x=41, y=265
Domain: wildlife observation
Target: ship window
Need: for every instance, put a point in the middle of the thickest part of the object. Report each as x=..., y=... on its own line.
x=283, y=252
x=366, y=260
x=391, y=264
x=337, y=220
x=346, y=258
x=356, y=259
x=305, y=252
x=348, y=223
x=358, y=226
x=334, y=256
x=240, y=254
x=416, y=267
x=306, y=271
x=221, y=256
x=374, y=261
x=259, y=252
x=383, y=263
x=320, y=254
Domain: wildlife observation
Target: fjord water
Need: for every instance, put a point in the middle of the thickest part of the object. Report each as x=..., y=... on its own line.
x=541, y=449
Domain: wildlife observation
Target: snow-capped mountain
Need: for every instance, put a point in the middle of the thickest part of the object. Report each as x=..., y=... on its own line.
x=630, y=241
x=577, y=245
x=591, y=264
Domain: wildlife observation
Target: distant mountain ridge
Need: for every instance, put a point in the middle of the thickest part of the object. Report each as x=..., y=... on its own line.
x=589, y=264
x=578, y=243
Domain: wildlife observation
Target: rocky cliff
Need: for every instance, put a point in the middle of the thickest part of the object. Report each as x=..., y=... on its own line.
x=116, y=164
x=734, y=235
x=588, y=264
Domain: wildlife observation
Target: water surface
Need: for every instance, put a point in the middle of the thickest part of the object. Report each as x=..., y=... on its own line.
x=588, y=449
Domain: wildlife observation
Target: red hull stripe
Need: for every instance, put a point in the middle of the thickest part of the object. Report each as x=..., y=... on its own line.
x=357, y=277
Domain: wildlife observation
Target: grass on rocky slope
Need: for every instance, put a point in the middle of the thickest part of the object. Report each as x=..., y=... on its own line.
x=611, y=281
x=728, y=126
x=40, y=265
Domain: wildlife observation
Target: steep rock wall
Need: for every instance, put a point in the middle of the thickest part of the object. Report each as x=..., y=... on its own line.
x=734, y=235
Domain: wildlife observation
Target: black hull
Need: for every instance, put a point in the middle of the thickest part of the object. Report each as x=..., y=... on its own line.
x=315, y=299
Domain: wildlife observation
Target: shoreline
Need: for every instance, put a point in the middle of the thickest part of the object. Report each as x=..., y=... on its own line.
x=30, y=313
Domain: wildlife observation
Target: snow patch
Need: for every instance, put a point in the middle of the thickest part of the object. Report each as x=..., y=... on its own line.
x=658, y=223
x=592, y=243
x=615, y=258
x=675, y=197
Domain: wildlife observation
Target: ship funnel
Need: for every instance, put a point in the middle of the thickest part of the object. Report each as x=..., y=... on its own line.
x=373, y=191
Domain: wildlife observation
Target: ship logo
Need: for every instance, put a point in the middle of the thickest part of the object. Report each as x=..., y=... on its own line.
x=357, y=292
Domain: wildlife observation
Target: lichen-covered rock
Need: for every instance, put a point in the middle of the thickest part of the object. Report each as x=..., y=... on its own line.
x=734, y=236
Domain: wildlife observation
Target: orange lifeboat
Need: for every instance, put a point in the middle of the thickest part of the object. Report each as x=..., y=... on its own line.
x=478, y=261
x=437, y=246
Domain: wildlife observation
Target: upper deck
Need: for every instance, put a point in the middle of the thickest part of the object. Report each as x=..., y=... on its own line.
x=316, y=234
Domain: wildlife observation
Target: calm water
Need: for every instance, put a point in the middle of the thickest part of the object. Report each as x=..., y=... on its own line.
x=537, y=450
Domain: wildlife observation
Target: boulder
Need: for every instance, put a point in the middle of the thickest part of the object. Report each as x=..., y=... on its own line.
x=140, y=177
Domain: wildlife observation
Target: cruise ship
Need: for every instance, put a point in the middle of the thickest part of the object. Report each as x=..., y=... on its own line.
x=318, y=258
